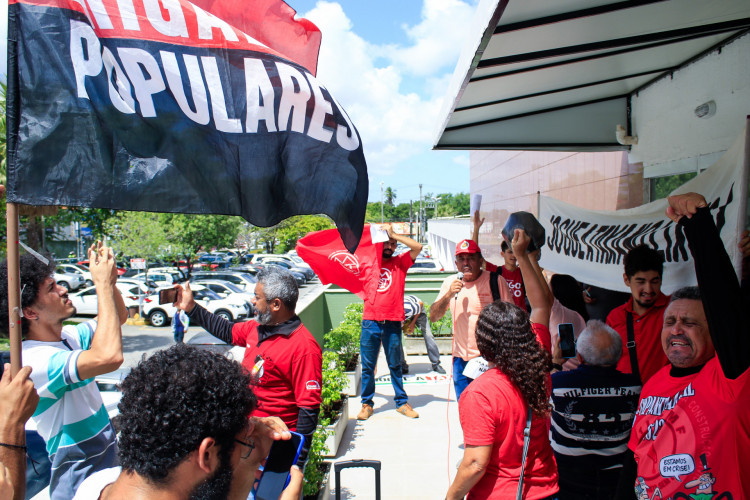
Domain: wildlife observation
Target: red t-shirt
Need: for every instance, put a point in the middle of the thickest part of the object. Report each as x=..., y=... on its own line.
x=493, y=412
x=689, y=427
x=289, y=376
x=647, y=331
x=389, y=301
x=515, y=282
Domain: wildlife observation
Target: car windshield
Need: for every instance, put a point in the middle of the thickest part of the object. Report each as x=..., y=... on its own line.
x=206, y=294
x=233, y=287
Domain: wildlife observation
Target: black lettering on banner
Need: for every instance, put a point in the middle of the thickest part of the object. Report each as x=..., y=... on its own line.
x=608, y=244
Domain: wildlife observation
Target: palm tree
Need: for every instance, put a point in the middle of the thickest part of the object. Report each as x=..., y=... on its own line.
x=390, y=195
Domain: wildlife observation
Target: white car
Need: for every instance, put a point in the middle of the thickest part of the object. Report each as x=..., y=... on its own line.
x=227, y=289
x=229, y=309
x=426, y=266
x=76, y=269
x=69, y=281
x=86, y=301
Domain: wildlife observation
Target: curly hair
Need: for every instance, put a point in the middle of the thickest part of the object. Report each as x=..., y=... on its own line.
x=173, y=400
x=33, y=273
x=505, y=338
x=643, y=258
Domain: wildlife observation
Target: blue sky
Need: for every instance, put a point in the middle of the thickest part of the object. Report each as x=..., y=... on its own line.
x=388, y=63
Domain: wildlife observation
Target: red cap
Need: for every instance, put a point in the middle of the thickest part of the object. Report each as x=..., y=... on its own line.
x=467, y=246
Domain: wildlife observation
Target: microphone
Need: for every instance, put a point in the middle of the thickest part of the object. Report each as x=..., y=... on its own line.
x=459, y=276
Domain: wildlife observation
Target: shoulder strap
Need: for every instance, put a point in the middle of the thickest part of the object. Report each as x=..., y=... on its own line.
x=526, y=439
x=631, y=347
x=494, y=286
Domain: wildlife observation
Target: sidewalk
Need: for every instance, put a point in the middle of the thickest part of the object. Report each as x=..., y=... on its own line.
x=418, y=456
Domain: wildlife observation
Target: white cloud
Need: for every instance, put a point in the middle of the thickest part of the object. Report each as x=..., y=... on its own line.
x=368, y=79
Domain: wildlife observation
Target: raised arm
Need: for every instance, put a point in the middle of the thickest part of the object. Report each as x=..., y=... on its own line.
x=414, y=247
x=18, y=400
x=213, y=324
x=105, y=354
x=720, y=290
x=536, y=286
x=476, y=223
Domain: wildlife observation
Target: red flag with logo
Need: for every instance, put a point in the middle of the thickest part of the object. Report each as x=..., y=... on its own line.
x=358, y=272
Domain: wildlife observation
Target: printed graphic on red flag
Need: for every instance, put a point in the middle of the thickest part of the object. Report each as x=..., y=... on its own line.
x=358, y=272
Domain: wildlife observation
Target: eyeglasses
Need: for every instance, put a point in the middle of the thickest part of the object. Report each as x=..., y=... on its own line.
x=250, y=447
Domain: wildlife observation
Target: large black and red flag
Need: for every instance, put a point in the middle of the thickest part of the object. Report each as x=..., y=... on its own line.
x=358, y=272
x=203, y=106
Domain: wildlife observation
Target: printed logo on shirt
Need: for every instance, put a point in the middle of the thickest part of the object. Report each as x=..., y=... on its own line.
x=257, y=371
x=347, y=261
x=386, y=279
x=312, y=385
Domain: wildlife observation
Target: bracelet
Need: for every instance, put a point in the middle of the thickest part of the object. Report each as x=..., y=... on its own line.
x=16, y=446
x=557, y=366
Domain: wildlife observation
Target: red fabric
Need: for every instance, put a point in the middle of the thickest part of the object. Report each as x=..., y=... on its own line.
x=325, y=253
x=489, y=266
x=290, y=377
x=647, y=330
x=272, y=23
x=388, y=300
x=703, y=416
x=515, y=283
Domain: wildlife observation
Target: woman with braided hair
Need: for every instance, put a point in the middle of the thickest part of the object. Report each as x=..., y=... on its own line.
x=494, y=409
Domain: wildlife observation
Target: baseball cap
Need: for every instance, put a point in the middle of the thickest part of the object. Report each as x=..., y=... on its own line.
x=467, y=246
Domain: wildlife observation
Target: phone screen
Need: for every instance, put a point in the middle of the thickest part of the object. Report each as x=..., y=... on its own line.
x=567, y=340
x=167, y=295
x=280, y=459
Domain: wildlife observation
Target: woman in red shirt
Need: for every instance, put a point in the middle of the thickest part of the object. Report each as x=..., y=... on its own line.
x=494, y=407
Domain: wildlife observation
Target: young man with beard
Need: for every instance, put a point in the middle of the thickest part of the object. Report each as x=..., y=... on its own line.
x=185, y=432
x=281, y=355
x=381, y=324
x=70, y=416
x=639, y=320
x=691, y=435
x=466, y=296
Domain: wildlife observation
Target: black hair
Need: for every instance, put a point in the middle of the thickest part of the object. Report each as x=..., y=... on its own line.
x=504, y=246
x=687, y=292
x=505, y=338
x=643, y=258
x=173, y=400
x=34, y=273
x=569, y=292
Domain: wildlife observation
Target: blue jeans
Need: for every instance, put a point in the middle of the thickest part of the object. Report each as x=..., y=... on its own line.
x=460, y=381
x=375, y=333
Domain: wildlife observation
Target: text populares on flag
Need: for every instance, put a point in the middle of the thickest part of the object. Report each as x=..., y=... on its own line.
x=177, y=106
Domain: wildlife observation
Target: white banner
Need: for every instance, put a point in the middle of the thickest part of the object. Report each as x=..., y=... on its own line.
x=590, y=245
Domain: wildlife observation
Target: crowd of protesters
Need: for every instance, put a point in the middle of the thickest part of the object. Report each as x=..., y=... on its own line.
x=655, y=402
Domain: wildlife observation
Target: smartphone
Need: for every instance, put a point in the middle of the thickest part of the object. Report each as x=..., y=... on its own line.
x=167, y=295
x=567, y=340
x=280, y=459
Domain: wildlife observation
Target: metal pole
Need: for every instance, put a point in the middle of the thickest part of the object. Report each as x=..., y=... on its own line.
x=420, y=230
x=14, y=289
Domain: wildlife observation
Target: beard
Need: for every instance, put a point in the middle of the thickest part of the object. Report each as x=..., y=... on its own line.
x=387, y=253
x=217, y=486
x=263, y=318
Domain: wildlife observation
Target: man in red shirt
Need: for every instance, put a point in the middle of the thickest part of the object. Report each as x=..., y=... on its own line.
x=642, y=314
x=691, y=435
x=281, y=355
x=381, y=324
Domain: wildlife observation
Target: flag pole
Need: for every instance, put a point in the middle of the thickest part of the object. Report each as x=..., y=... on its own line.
x=14, y=288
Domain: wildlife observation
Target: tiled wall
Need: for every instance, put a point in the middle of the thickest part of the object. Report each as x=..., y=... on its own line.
x=509, y=181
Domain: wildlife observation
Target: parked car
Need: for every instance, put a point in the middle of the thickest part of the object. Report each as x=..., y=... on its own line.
x=243, y=280
x=161, y=278
x=227, y=289
x=229, y=309
x=426, y=266
x=120, y=268
x=86, y=301
x=76, y=269
x=292, y=265
x=70, y=281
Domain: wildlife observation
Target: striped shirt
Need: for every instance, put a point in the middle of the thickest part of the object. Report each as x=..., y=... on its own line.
x=70, y=416
x=592, y=412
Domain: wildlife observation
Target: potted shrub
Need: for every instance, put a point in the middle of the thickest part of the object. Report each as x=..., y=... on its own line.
x=344, y=340
x=334, y=410
x=317, y=483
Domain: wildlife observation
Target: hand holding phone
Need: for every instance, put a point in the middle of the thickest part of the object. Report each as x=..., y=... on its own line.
x=167, y=296
x=567, y=340
x=280, y=459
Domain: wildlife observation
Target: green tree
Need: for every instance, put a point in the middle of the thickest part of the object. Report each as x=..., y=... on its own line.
x=187, y=233
x=390, y=196
x=284, y=236
x=136, y=234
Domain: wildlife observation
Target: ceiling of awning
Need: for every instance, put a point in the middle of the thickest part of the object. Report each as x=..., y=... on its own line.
x=558, y=74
